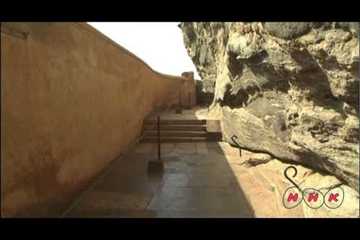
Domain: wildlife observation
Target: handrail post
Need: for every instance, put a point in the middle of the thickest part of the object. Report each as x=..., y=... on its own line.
x=236, y=143
x=156, y=165
x=189, y=100
x=158, y=134
x=179, y=106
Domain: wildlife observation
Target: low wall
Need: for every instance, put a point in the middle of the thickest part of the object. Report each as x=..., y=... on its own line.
x=72, y=101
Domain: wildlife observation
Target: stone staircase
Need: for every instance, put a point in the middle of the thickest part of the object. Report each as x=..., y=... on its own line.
x=178, y=130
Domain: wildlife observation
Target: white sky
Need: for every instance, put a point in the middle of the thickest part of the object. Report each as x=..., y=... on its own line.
x=160, y=45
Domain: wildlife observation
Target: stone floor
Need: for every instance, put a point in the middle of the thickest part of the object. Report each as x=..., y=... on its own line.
x=197, y=181
x=202, y=179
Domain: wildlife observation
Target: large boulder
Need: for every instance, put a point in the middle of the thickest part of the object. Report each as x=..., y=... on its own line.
x=288, y=30
x=290, y=90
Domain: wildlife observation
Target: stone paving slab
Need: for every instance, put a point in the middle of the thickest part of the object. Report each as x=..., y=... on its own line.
x=102, y=200
x=195, y=183
x=200, y=199
x=201, y=214
x=199, y=180
x=202, y=180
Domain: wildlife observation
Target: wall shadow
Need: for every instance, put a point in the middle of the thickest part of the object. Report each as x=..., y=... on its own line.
x=198, y=185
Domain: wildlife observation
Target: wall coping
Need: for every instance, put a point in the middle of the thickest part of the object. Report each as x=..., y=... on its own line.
x=93, y=30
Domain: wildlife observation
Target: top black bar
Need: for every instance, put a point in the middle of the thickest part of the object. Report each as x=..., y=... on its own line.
x=184, y=11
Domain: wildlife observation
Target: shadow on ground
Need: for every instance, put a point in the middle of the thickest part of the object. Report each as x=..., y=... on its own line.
x=199, y=180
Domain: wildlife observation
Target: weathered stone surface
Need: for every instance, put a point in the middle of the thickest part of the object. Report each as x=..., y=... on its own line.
x=287, y=30
x=258, y=158
x=253, y=134
x=287, y=89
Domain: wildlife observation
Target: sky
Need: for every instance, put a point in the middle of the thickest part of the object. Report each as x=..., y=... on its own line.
x=160, y=45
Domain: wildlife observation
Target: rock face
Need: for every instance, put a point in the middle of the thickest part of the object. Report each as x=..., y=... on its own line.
x=290, y=90
x=203, y=96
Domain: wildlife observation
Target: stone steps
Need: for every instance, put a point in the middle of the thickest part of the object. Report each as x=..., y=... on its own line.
x=171, y=133
x=177, y=131
x=176, y=122
x=175, y=139
x=177, y=127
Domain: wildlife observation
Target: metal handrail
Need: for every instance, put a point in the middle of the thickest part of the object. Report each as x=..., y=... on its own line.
x=236, y=143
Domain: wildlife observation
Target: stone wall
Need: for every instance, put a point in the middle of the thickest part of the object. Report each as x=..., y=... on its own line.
x=72, y=101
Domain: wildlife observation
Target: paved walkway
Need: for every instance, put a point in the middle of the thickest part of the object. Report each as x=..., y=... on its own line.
x=198, y=181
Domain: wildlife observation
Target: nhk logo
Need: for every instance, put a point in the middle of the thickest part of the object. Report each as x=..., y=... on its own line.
x=314, y=198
